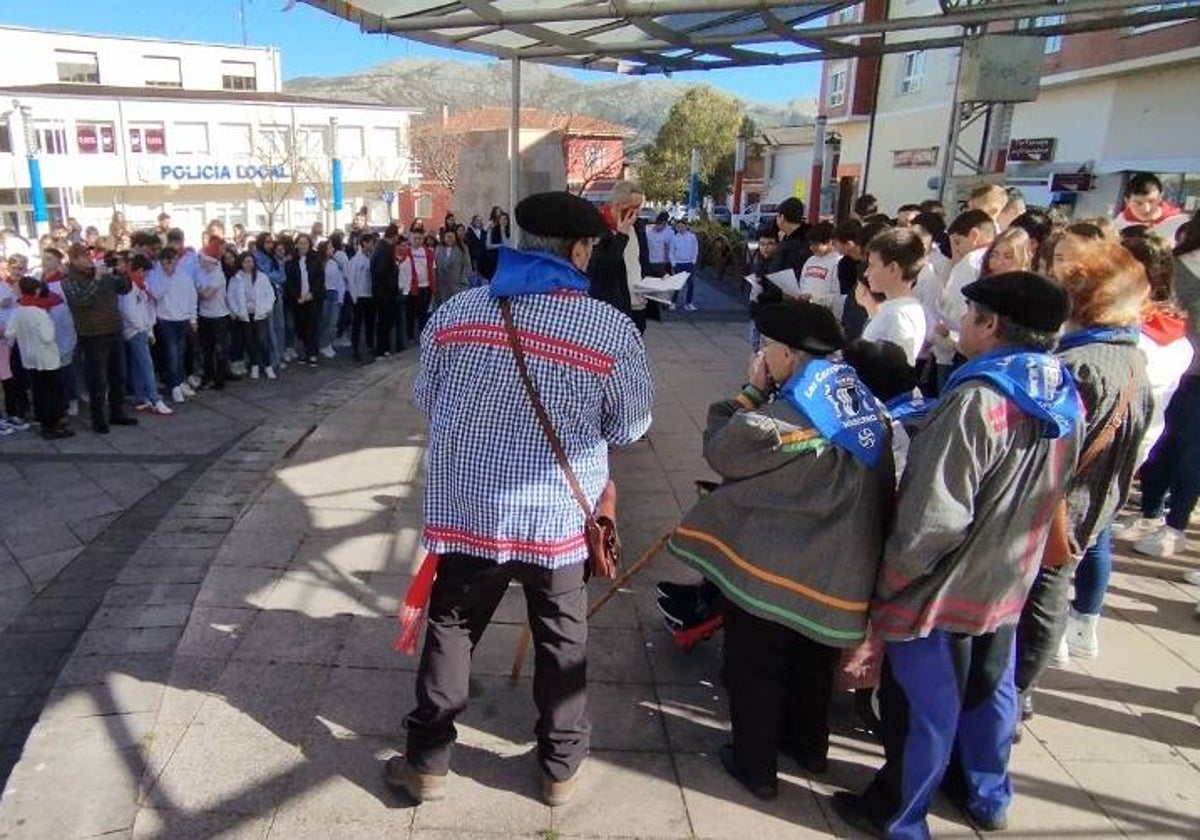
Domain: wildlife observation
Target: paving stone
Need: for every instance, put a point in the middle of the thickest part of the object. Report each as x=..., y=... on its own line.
x=227, y=586
x=152, y=615
x=190, y=573
x=129, y=595
x=121, y=640
x=283, y=636
x=368, y=644
x=329, y=593
x=484, y=789
x=1076, y=728
x=93, y=670
x=629, y=715
x=368, y=703
x=118, y=694
x=215, y=632
x=611, y=777
x=152, y=824
x=262, y=549
x=1143, y=799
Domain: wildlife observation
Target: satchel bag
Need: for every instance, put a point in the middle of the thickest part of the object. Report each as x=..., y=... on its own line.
x=1058, y=548
x=600, y=525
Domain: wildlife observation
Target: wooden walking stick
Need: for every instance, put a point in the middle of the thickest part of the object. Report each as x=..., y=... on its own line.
x=619, y=583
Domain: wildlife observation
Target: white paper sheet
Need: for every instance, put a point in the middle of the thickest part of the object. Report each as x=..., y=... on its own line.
x=669, y=284
x=755, y=286
x=786, y=281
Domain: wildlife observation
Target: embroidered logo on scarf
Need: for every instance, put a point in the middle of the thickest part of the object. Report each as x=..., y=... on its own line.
x=1036, y=383
x=837, y=403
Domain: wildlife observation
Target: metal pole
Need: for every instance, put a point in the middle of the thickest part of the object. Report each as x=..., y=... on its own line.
x=739, y=173
x=335, y=174
x=514, y=138
x=949, y=153
x=818, y=171
x=37, y=193
x=694, y=184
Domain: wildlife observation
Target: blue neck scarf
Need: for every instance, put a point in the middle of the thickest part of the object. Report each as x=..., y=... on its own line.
x=533, y=273
x=906, y=407
x=1099, y=335
x=841, y=408
x=1036, y=382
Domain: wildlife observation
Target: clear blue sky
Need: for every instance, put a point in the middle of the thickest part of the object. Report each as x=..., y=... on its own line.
x=317, y=44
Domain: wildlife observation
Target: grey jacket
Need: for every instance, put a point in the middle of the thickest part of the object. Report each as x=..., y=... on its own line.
x=975, y=503
x=794, y=534
x=1186, y=285
x=1102, y=371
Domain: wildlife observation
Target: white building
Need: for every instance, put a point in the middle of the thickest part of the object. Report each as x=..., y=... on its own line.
x=201, y=131
x=1110, y=103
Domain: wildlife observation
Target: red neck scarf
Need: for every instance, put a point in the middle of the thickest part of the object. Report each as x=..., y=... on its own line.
x=47, y=301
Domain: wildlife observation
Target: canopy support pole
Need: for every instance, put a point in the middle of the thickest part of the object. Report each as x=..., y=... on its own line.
x=514, y=137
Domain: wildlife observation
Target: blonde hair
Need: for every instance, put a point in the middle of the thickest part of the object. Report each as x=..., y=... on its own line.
x=623, y=193
x=1107, y=286
x=990, y=199
x=1017, y=239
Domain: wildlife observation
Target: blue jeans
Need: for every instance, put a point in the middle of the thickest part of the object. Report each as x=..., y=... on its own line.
x=278, y=334
x=1174, y=463
x=141, y=368
x=943, y=697
x=174, y=335
x=1092, y=574
x=689, y=288
x=329, y=318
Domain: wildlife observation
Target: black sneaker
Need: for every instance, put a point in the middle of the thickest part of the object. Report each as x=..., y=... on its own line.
x=122, y=420
x=852, y=808
x=764, y=790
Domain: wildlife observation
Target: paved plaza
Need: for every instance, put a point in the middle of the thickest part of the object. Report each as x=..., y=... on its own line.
x=210, y=628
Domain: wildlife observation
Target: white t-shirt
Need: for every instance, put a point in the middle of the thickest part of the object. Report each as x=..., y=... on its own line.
x=954, y=306
x=819, y=277
x=901, y=321
x=658, y=243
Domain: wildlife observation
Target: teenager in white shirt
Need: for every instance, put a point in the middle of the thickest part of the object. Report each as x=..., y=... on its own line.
x=137, y=328
x=213, y=313
x=358, y=284
x=894, y=259
x=251, y=300
x=684, y=251
x=970, y=235
x=174, y=293
x=335, y=290
x=658, y=245
x=819, y=276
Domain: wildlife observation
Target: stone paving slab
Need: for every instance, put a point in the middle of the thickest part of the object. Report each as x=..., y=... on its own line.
x=272, y=713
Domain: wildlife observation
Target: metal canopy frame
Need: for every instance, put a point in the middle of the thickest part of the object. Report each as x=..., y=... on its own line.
x=665, y=36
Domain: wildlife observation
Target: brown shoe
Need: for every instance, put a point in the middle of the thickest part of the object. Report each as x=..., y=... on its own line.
x=555, y=793
x=420, y=787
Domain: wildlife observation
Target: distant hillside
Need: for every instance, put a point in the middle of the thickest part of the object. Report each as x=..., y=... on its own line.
x=638, y=102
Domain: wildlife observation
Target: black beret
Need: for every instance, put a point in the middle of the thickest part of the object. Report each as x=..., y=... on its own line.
x=882, y=366
x=1023, y=297
x=800, y=325
x=560, y=215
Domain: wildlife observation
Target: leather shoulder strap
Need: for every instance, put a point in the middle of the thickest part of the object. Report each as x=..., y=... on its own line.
x=560, y=455
x=1115, y=421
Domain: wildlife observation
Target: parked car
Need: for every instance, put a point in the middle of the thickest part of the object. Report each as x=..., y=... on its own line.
x=722, y=215
x=755, y=217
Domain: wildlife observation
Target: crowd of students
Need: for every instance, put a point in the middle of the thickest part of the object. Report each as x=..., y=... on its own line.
x=153, y=324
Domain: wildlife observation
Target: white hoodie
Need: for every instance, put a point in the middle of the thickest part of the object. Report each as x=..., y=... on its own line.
x=174, y=294
x=245, y=294
x=210, y=289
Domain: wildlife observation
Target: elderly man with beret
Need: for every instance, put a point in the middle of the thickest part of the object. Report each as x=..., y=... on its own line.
x=983, y=479
x=497, y=506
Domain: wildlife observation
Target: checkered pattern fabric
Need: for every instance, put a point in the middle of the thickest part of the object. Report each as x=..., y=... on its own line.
x=493, y=488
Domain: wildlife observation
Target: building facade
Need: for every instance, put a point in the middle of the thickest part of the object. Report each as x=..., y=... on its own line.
x=1110, y=103
x=201, y=131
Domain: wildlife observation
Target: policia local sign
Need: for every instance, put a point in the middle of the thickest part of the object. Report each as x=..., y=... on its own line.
x=215, y=172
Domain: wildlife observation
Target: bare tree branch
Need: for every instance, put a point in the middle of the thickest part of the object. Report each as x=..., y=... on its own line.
x=436, y=149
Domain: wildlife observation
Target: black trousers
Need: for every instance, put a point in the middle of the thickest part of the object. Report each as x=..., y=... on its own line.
x=780, y=684
x=386, y=310
x=363, y=325
x=1043, y=623
x=214, y=348
x=416, y=312
x=49, y=406
x=308, y=320
x=104, y=372
x=16, y=389
x=465, y=594
x=256, y=336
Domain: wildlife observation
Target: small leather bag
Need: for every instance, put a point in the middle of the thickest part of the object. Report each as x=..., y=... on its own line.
x=1058, y=548
x=600, y=525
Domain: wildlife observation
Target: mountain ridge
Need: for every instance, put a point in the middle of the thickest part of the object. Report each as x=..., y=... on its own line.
x=429, y=83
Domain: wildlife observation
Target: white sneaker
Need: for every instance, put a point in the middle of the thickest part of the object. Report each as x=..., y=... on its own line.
x=270, y=372
x=177, y=394
x=161, y=408
x=1132, y=526
x=289, y=355
x=1192, y=577
x=342, y=342
x=328, y=352
x=1062, y=656
x=1082, y=641
x=237, y=368
x=254, y=372
x=5, y=428
x=188, y=390
x=690, y=307
x=194, y=381
x=1165, y=542
x=73, y=408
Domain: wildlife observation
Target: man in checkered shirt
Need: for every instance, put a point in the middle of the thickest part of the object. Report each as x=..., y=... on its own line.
x=497, y=506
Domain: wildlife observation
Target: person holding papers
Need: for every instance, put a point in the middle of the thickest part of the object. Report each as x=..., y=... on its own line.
x=684, y=250
x=819, y=277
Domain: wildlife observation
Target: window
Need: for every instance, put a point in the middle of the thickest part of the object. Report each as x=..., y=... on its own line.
x=310, y=140
x=162, y=71
x=232, y=139
x=5, y=138
x=51, y=138
x=385, y=142
x=274, y=144
x=350, y=141
x=847, y=15
x=593, y=157
x=77, y=67
x=94, y=138
x=837, y=86
x=190, y=138
x=912, y=71
x=147, y=139
x=238, y=75
x=1159, y=7
x=423, y=206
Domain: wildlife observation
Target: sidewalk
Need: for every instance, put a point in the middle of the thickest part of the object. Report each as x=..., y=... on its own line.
x=239, y=679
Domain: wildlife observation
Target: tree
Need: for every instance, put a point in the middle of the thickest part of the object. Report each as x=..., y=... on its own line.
x=436, y=148
x=276, y=162
x=588, y=158
x=703, y=119
x=388, y=177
